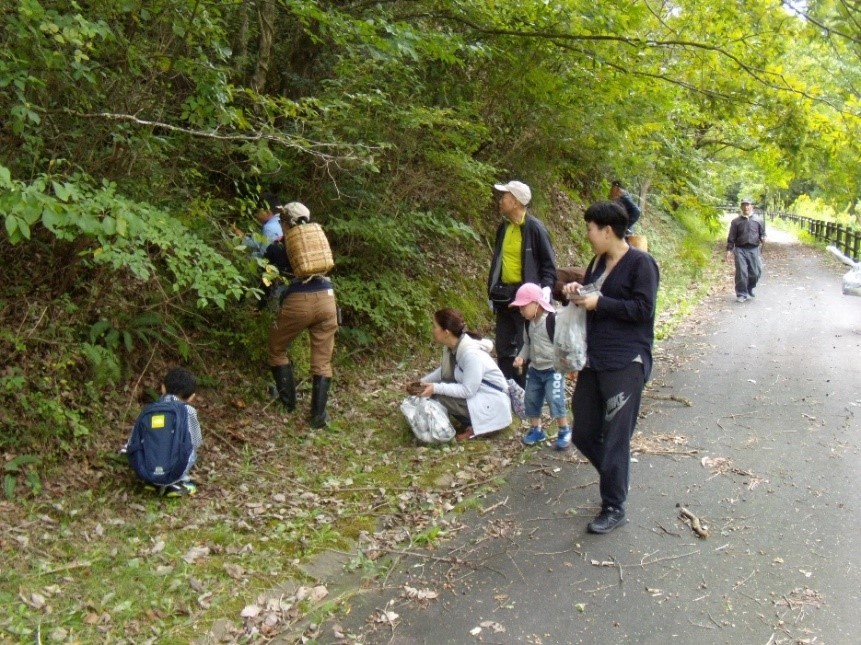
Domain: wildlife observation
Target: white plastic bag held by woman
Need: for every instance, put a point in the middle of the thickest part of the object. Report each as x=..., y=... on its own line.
x=569, y=342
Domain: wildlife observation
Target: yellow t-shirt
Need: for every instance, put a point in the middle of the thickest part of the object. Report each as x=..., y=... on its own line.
x=512, y=252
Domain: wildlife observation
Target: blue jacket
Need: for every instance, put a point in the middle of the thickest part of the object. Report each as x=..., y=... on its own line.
x=631, y=209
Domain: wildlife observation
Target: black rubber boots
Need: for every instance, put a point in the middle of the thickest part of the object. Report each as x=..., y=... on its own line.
x=319, y=398
x=286, y=385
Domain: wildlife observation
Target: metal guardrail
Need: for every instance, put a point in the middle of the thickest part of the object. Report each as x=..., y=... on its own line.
x=844, y=238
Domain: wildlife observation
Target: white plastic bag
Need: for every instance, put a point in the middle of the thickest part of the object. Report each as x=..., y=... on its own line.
x=428, y=419
x=852, y=282
x=569, y=341
x=518, y=399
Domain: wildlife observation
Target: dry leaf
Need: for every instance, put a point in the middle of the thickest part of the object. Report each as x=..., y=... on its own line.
x=250, y=611
x=234, y=570
x=496, y=627
x=386, y=617
x=419, y=594
x=195, y=552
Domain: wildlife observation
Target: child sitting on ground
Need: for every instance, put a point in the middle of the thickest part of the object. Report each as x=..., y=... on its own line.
x=543, y=382
x=162, y=448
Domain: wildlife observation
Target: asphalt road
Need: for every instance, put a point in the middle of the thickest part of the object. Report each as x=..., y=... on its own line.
x=766, y=455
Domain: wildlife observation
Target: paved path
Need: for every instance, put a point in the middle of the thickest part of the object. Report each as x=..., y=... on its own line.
x=767, y=455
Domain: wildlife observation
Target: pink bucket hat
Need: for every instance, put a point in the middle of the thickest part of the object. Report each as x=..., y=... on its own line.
x=530, y=292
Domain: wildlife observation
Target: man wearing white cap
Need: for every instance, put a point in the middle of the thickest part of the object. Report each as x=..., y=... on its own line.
x=521, y=253
x=743, y=243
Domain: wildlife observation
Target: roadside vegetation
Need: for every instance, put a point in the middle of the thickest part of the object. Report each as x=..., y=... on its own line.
x=139, y=134
x=90, y=556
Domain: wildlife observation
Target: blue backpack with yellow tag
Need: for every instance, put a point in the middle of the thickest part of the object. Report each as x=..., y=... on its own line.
x=160, y=446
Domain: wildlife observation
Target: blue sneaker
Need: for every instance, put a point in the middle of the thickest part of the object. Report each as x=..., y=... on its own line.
x=535, y=435
x=189, y=486
x=172, y=490
x=563, y=439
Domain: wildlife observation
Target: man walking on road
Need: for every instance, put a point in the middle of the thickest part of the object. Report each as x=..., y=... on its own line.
x=522, y=253
x=744, y=243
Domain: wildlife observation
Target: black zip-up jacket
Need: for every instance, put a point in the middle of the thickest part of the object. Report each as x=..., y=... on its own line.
x=622, y=326
x=537, y=260
x=745, y=232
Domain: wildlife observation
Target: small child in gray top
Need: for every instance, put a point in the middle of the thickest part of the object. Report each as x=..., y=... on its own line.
x=543, y=382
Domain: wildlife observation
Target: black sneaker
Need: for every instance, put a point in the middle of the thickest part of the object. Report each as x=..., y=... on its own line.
x=608, y=519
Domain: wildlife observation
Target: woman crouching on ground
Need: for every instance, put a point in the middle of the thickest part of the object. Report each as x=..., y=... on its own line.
x=468, y=382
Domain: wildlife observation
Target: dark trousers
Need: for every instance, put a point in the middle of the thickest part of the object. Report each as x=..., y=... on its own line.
x=509, y=341
x=748, y=269
x=605, y=406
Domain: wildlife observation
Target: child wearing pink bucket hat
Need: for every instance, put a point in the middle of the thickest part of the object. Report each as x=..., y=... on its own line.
x=543, y=382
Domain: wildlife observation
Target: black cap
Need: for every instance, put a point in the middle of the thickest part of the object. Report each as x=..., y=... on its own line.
x=617, y=183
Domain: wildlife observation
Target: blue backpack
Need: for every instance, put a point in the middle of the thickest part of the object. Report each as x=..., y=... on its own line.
x=160, y=445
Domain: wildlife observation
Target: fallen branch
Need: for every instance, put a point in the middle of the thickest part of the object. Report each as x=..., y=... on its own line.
x=670, y=397
x=693, y=521
x=655, y=561
x=450, y=560
x=487, y=510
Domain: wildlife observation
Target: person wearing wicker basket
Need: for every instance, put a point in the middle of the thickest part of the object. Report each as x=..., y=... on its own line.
x=308, y=303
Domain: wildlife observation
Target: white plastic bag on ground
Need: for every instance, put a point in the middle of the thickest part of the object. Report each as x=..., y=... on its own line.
x=428, y=419
x=569, y=341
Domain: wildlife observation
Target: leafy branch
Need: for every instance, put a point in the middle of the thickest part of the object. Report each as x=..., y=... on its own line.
x=313, y=148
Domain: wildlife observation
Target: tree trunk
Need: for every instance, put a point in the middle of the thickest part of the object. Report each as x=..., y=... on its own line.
x=240, y=39
x=266, y=13
x=644, y=190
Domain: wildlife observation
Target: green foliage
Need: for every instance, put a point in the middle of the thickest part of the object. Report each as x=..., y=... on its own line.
x=139, y=132
x=121, y=234
x=22, y=466
x=35, y=412
x=105, y=364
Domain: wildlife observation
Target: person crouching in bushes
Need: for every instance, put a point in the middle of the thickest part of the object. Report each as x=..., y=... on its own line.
x=162, y=448
x=543, y=382
x=468, y=382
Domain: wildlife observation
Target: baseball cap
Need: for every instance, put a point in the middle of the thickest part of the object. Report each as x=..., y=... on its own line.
x=297, y=212
x=530, y=292
x=746, y=200
x=520, y=191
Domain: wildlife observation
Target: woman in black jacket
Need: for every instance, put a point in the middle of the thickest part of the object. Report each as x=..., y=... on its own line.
x=620, y=324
